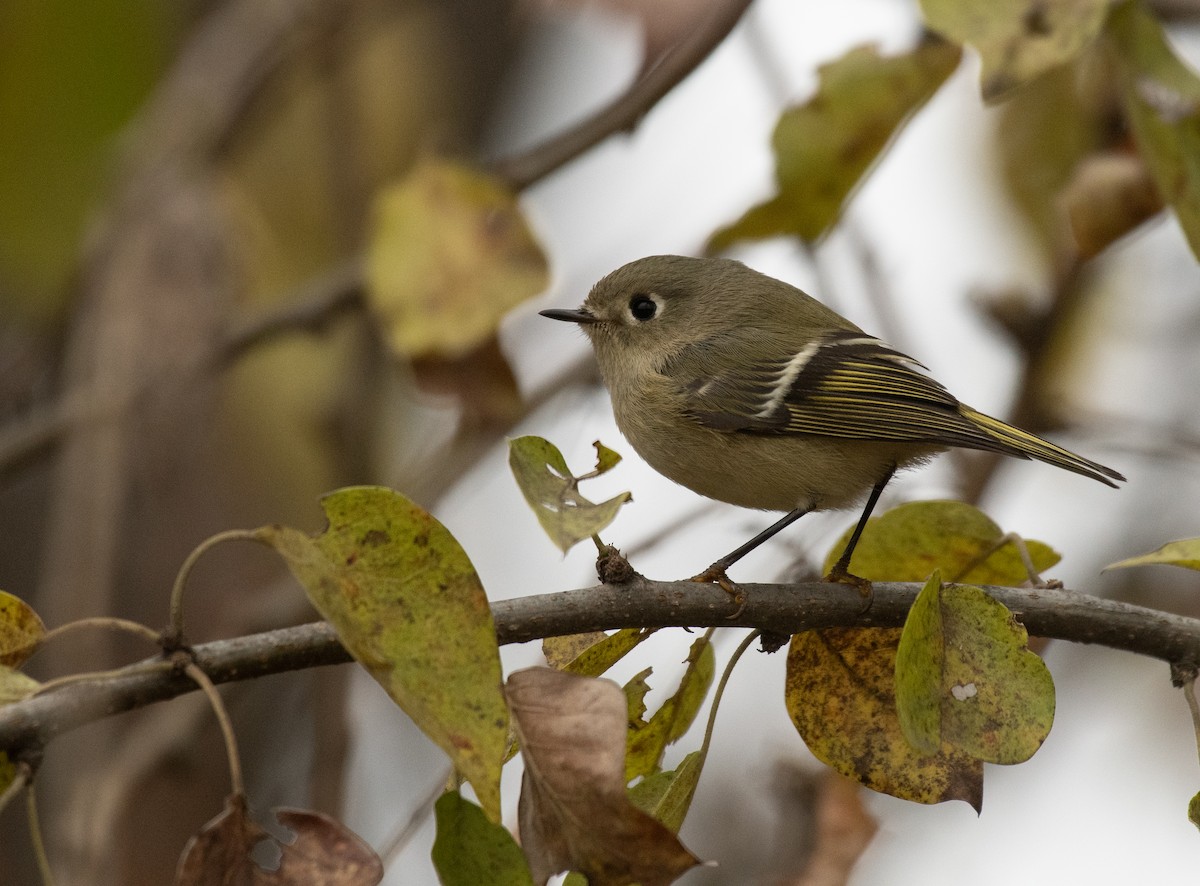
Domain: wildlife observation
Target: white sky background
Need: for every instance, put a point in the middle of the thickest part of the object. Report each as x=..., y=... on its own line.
x=1105, y=799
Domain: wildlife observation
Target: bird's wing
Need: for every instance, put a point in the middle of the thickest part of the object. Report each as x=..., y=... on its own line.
x=845, y=384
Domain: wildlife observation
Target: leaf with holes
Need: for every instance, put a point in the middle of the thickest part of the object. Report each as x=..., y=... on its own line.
x=841, y=696
x=965, y=678
x=553, y=491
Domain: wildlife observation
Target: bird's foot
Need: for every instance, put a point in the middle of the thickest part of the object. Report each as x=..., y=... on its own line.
x=715, y=574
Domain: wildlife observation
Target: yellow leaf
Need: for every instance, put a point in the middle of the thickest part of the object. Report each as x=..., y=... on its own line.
x=1018, y=40
x=21, y=630
x=450, y=255
x=824, y=147
x=1185, y=553
x=842, y=699
x=910, y=541
x=407, y=604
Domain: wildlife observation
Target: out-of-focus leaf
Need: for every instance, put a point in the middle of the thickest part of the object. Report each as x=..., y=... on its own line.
x=480, y=380
x=590, y=655
x=910, y=541
x=15, y=685
x=1045, y=129
x=553, y=491
x=1162, y=96
x=1018, y=40
x=74, y=74
x=324, y=851
x=574, y=811
x=668, y=795
x=8, y=771
x=824, y=147
x=21, y=630
x=842, y=699
x=408, y=605
x=470, y=850
x=648, y=740
x=449, y=255
x=1185, y=553
x=1193, y=809
x=966, y=679
x=1109, y=195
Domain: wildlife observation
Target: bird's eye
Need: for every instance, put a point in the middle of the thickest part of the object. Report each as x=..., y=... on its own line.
x=643, y=307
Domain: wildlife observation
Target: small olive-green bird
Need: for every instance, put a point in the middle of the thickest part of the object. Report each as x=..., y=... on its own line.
x=747, y=390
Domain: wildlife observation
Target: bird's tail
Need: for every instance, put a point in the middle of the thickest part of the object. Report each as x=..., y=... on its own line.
x=1023, y=444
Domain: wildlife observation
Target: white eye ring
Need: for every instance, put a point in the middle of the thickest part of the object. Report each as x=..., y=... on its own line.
x=644, y=306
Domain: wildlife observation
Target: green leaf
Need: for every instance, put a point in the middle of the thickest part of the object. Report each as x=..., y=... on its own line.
x=668, y=795
x=470, y=850
x=841, y=695
x=1185, y=553
x=450, y=254
x=1193, y=806
x=1018, y=40
x=1162, y=97
x=965, y=677
x=590, y=655
x=552, y=491
x=648, y=741
x=910, y=541
x=15, y=685
x=21, y=630
x=407, y=604
x=824, y=147
x=606, y=459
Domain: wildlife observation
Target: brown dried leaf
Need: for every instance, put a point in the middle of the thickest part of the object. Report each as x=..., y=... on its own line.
x=1109, y=195
x=323, y=853
x=574, y=811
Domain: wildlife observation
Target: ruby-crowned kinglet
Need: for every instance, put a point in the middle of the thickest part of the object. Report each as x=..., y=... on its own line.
x=747, y=390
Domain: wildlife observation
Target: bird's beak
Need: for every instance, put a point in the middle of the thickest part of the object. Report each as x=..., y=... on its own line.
x=576, y=316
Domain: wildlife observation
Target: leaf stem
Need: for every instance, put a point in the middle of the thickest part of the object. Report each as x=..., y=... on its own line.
x=231, y=749
x=175, y=630
x=1189, y=692
x=716, y=702
x=20, y=779
x=104, y=621
x=35, y=837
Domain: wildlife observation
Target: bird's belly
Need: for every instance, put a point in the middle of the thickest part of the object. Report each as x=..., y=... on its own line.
x=774, y=473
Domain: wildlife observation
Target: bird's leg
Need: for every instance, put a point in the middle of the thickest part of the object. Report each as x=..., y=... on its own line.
x=841, y=569
x=716, y=572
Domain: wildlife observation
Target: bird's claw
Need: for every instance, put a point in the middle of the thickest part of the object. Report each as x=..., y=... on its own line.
x=841, y=575
x=715, y=574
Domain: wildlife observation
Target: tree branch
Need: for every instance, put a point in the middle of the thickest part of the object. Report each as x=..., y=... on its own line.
x=623, y=114
x=27, y=726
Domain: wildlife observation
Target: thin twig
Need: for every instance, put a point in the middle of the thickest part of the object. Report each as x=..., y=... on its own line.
x=20, y=779
x=181, y=577
x=35, y=837
x=236, y=787
x=1189, y=692
x=108, y=622
x=623, y=114
x=720, y=693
